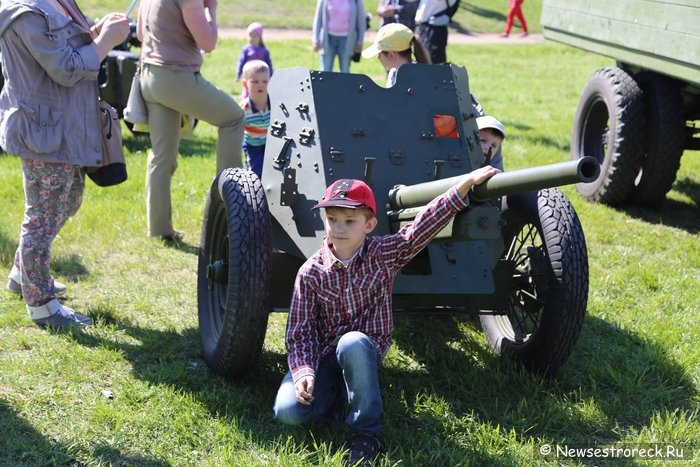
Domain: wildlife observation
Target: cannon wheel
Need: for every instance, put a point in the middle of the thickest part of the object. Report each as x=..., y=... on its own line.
x=547, y=304
x=609, y=125
x=234, y=272
x=665, y=138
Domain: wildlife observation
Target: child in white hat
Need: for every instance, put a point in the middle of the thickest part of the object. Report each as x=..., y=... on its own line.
x=491, y=136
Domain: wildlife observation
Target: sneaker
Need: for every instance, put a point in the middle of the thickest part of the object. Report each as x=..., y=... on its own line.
x=56, y=315
x=504, y=34
x=525, y=34
x=14, y=286
x=364, y=449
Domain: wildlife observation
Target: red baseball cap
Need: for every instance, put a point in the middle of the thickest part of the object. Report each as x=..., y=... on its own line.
x=348, y=193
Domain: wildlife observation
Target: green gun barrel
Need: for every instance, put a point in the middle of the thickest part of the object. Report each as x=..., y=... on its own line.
x=584, y=170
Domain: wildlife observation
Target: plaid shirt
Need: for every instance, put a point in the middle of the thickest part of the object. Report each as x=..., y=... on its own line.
x=330, y=300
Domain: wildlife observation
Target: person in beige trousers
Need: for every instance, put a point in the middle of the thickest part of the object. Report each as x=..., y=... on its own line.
x=173, y=34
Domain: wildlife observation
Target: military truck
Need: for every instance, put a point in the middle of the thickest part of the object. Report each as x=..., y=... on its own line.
x=516, y=257
x=638, y=116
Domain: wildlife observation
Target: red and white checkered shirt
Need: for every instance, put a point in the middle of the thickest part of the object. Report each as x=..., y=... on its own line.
x=330, y=300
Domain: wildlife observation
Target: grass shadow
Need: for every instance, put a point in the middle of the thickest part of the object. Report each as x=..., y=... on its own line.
x=457, y=27
x=483, y=12
x=174, y=359
x=475, y=385
x=106, y=455
x=21, y=444
x=182, y=245
x=678, y=214
x=70, y=266
x=425, y=374
x=140, y=142
x=199, y=146
x=689, y=188
x=8, y=246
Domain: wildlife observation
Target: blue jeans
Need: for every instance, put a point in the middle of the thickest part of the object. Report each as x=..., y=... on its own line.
x=335, y=46
x=347, y=379
x=254, y=156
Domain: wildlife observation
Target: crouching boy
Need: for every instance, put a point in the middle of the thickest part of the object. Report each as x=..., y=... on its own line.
x=340, y=320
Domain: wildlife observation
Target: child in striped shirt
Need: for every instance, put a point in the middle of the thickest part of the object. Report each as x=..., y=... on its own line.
x=255, y=77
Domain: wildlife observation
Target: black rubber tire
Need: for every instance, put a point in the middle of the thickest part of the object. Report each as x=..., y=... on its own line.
x=546, y=248
x=665, y=117
x=609, y=125
x=234, y=272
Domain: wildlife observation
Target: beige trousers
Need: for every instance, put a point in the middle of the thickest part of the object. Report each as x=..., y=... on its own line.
x=168, y=94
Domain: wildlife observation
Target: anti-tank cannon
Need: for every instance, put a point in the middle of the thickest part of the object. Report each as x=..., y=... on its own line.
x=517, y=256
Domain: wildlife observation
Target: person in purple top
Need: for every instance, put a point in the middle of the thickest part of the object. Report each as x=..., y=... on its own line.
x=340, y=322
x=254, y=50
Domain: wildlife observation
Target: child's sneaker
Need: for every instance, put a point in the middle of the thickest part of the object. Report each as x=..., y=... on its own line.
x=364, y=449
x=56, y=315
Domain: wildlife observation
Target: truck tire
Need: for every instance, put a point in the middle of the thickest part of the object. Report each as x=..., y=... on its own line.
x=546, y=250
x=609, y=125
x=234, y=272
x=665, y=138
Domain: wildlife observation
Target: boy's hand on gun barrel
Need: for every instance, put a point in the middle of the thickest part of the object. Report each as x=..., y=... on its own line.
x=475, y=177
x=305, y=389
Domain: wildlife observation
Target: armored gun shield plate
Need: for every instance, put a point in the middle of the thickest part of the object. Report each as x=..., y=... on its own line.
x=326, y=126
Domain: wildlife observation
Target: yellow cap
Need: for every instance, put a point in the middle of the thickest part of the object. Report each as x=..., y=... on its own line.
x=393, y=37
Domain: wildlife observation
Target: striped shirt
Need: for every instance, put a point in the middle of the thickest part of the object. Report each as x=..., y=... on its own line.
x=256, y=123
x=331, y=300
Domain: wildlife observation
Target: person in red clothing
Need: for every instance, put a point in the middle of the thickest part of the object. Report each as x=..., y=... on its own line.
x=515, y=11
x=340, y=320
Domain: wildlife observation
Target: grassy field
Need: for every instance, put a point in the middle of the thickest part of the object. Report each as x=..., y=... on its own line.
x=473, y=15
x=133, y=389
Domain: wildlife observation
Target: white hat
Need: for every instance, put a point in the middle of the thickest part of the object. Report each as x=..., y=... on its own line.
x=487, y=121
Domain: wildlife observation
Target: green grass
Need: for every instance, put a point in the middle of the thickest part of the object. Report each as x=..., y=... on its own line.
x=473, y=15
x=634, y=376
